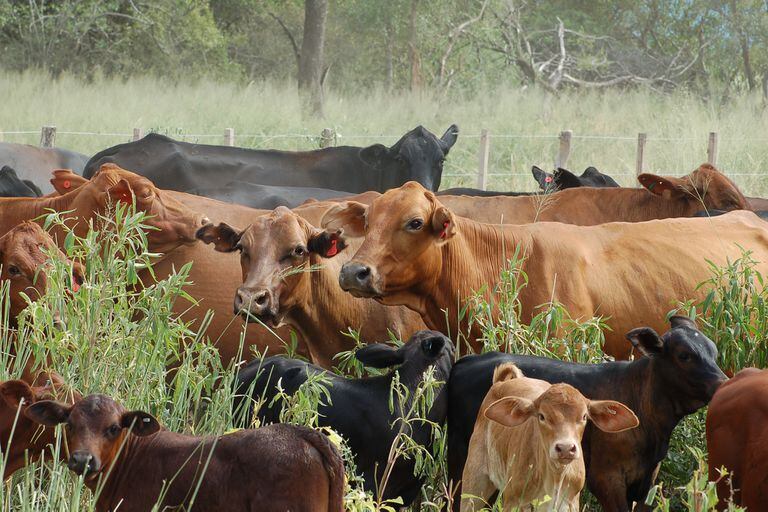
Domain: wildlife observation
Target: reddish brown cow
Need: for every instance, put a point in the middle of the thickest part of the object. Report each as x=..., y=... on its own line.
x=419, y=254
x=704, y=188
x=29, y=439
x=136, y=464
x=737, y=439
x=287, y=278
x=22, y=259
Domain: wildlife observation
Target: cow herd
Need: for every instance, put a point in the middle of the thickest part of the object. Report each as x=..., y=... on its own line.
x=321, y=242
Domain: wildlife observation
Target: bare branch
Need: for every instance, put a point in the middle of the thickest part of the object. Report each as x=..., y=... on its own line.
x=289, y=34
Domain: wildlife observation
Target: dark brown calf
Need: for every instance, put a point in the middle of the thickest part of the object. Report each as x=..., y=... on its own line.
x=136, y=464
x=28, y=439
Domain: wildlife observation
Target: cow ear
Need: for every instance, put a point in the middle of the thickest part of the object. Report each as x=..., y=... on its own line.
x=374, y=155
x=379, y=355
x=510, y=411
x=121, y=192
x=663, y=186
x=65, y=181
x=141, y=423
x=14, y=391
x=224, y=237
x=566, y=179
x=48, y=412
x=449, y=138
x=611, y=416
x=327, y=243
x=682, y=321
x=646, y=340
x=444, y=224
x=542, y=177
x=348, y=215
x=433, y=345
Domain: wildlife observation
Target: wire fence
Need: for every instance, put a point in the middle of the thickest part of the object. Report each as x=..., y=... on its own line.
x=488, y=165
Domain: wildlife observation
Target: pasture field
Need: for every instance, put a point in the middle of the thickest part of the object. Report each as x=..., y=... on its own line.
x=523, y=123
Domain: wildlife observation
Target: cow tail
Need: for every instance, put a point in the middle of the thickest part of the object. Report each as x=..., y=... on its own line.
x=506, y=371
x=333, y=464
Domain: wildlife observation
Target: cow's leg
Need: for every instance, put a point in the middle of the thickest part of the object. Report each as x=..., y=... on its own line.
x=476, y=490
x=611, y=495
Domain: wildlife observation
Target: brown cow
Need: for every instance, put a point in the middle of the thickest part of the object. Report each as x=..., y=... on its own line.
x=737, y=439
x=136, y=464
x=22, y=259
x=29, y=439
x=419, y=254
x=527, y=442
x=287, y=278
x=704, y=188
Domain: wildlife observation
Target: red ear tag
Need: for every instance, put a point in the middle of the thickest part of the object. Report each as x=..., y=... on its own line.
x=67, y=184
x=332, y=250
x=445, y=228
x=75, y=286
x=548, y=179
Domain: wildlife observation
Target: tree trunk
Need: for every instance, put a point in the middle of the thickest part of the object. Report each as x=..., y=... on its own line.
x=389, y=79
x=747, y=62
x=311, y=56
x=413, y=52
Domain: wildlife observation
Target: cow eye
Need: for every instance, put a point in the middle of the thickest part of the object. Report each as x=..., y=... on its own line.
x=415, y=225
x=685, y=356
x=113, y=430
x=541, y=417
x=299, y=251
x=584, y=418
x=14, y=271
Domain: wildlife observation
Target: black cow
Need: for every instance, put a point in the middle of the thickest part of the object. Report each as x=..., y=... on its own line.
x=678, y=377
x=359, y=408
x=12, y=186
x=563, y=179
x=36, y=164
x=266, y=197
x=170, y=164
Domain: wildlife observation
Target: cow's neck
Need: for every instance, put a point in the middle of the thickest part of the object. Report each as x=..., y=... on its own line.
x=471, y=261
x=138, y=464
x=630, y=205
x=14, y=211
x=324, y=314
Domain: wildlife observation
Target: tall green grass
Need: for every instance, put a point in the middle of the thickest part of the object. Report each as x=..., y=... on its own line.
x=677, y=125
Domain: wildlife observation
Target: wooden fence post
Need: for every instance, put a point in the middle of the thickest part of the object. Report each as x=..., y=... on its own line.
x=2, y=137
x=712, y=149
x=564, y=151
x=229, y=136
x=327, y=138
x=138, y=134
x=48, y=136
x=639, y=161
x=482, y=168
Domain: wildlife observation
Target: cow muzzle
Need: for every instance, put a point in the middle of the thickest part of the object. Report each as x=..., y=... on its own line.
x=259, y=304
x=565, y=452
x=359, y=280
x=83, y=463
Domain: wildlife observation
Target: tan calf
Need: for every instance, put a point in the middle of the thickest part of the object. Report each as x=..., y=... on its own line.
x=527, y=442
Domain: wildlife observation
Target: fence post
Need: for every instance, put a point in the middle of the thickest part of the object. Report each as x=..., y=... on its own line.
x=639, y=162
x=138, y=134
x=229, y=136
x=327, y=138
x=482, y=168
x=712, y=149
x=564, y=150
x=2, y=137
x=48, y=136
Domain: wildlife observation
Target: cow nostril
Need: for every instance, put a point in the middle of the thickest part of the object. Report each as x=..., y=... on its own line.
x=363, y=274
x=261, y=299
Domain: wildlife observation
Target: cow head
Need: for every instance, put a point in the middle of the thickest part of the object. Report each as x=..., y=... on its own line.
x=418, y=156
x=562, y=179
x=404, y=231
x=684, y=363
x=423, y=349
x=174, y=224
x=705, y=187
x=559, y=416
x=276, y=256
x=28, y=437
x=97, y=427
x=23, y=262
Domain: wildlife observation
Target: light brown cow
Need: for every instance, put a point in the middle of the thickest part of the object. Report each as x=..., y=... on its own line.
x=527, y=442
x=29, y=439
x=23, y=261
x=419, y=254
x=704, y=188
x=287, y=278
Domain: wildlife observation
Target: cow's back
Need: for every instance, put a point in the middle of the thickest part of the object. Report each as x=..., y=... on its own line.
x=737, y=438
x=36, y=164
